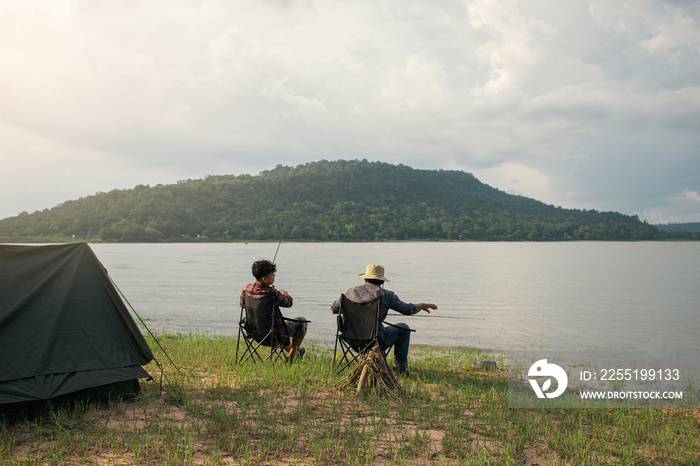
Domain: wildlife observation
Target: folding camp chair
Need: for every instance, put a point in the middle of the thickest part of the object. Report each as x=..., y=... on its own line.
x=358, y=330
x=256, y=327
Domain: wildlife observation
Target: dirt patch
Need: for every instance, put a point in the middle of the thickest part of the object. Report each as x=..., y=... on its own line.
x=135, y=417
x=533, y=455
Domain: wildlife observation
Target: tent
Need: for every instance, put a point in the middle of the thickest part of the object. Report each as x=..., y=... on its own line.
x=65, y=332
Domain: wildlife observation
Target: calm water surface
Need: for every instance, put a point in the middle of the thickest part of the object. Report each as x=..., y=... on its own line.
x=641, y=296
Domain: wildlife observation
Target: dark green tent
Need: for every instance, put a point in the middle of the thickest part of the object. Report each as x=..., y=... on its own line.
x=64, y=330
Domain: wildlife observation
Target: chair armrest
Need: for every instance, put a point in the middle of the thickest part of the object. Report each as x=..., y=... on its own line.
x=404, y=328
x=297, y=320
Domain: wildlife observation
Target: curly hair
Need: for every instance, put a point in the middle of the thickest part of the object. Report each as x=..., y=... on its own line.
x=263, y=267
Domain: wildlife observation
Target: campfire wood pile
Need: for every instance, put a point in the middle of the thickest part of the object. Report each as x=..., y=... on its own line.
x=372, y=372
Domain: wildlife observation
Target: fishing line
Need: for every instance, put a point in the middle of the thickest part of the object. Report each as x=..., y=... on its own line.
x=438, y=317
x=284, y=230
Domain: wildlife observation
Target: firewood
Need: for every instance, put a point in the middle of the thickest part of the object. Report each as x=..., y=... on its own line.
x=373, y=372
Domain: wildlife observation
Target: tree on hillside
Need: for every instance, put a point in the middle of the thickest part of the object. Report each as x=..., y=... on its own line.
x=346, y=200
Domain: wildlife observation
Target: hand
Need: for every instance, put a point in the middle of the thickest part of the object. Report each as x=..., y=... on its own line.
x=426, y=307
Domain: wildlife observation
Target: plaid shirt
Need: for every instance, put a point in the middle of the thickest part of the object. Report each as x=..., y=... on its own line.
x=258, y=290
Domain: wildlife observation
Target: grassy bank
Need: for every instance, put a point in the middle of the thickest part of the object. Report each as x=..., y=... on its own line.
x=448, y=413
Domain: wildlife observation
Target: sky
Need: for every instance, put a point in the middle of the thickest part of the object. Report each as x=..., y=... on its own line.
x=586, y=104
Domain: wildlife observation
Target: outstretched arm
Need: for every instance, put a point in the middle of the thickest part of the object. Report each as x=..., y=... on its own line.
x=427, y=307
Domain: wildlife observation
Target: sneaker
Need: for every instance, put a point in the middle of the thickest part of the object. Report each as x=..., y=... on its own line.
x=301, y=351
x=403, y=369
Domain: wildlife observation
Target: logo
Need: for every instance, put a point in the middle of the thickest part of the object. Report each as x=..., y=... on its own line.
x=542, y=368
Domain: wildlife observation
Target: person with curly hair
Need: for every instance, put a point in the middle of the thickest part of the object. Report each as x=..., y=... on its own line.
x=290, y=332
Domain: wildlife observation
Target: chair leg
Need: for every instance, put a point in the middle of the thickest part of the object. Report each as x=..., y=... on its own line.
x=238, y=342
x=248, y=348
x=335, y=351
x=254, y=351
x=386, y=351
x=251, y=351
x=283, y=355
x=349, y=355
x=344, y=360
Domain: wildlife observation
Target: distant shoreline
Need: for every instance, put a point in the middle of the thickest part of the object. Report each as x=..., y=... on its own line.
x=21, y=240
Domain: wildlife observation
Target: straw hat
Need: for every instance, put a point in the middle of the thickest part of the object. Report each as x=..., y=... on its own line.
x=374, y=272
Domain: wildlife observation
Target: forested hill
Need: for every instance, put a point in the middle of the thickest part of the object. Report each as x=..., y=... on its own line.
x=693, y=227
x=322, y=201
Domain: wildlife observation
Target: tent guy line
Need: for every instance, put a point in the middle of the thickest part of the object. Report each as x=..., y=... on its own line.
x=179, y=399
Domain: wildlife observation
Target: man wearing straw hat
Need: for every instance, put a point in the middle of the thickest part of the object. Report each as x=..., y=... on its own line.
x=397, y=335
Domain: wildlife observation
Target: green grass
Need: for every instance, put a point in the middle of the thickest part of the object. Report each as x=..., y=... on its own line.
x=450, y=413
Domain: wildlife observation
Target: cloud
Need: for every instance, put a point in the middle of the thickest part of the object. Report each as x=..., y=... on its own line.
x=522, y=180
x=684, y=207
x=580, y=103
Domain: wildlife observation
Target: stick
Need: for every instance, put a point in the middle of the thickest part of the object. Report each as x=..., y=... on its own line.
x=363, y=379
x=372, y=371
x=284, y=230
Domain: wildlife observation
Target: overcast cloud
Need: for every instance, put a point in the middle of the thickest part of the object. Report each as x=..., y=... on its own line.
x=580, y=103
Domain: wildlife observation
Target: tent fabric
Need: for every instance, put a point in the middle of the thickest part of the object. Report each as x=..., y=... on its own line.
x=43, y=387
x=63, y=326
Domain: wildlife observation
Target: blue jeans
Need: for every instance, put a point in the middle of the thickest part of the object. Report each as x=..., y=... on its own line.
x=400, y=338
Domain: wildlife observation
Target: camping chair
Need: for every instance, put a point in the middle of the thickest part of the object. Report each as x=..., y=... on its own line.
x=358, y=330
x=256, y=327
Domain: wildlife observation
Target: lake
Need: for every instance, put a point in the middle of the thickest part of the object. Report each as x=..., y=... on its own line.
x=580, y=296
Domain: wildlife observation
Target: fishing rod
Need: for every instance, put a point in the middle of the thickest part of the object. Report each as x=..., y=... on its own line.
x=284, y=230
x=438, y=317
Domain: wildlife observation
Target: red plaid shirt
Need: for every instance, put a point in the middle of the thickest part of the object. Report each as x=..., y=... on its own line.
x=282, y=299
